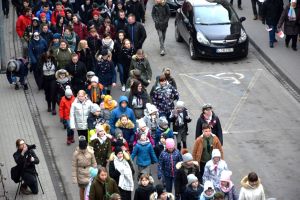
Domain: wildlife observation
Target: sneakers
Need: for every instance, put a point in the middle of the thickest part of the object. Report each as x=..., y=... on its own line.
x=162, y=52
x=271, y=45
x=295, y=48
x=123, y=88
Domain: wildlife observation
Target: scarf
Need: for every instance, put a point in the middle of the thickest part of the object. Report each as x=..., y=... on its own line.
x=95, y=94
x=125, y=179
x=226, y=189
x=107, y=105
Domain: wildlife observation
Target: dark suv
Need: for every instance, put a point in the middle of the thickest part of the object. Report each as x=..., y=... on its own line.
x=212, y=29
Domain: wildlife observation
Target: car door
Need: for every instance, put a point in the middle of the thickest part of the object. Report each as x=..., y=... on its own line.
x=186, y=25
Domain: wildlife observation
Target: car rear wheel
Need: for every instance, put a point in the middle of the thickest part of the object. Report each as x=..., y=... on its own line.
x=177, y=34
x=192, y=50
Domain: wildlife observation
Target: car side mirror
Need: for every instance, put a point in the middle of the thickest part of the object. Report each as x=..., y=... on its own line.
x=242, y=19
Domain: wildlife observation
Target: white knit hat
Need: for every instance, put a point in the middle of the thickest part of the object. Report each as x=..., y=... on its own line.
x=68, y=91
x=187, y=157
x=95, y=79
x=179, y=104
x=191, y=179
x=141, y=123
x=95, y=107
x=215, y=153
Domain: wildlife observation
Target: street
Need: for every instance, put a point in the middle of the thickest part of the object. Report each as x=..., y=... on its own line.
x=259, y=117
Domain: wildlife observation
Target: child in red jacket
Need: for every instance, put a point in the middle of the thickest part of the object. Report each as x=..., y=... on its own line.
x=64, y=113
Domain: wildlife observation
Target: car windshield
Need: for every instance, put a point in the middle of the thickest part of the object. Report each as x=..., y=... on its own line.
x=214, y=14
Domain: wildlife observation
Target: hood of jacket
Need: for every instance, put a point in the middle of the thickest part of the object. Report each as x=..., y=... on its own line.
x=182, y=164
x=129, y=125
x=88, y=149
x=121, y=99
x=245, y=183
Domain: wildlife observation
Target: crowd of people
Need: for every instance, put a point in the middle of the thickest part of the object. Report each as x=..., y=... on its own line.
x=73, y=49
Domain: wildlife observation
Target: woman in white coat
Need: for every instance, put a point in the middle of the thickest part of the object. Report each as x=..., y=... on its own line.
x=252, y=188
x=80, y=110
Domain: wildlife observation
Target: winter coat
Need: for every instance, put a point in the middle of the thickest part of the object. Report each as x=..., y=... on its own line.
x=36, y=49
x=103, y=190
x=55, y=14
x=127, y=130
x=65, y=107
x=168, y=133
x=117, y=112
x=185, y=119
x=137, y=102
x=112, y=31
x=81, y=30
x=213, y=173
x=63, y=57
x=153, y=196
x=148, y=133
x=163, y=98
x=249, y=192
x=97, y=24
x=117, y=50
x=144, y=192
x=48, y=14
x=61, y=85
x=271, y=11
x=95, y=93
x=159, y=148
x=79, y=114
x=47, y=36
x=77, y=71
x=167, y=163
x=137, y=9
x=101, y=151
x=183, y=170
x=198, y=147
x=191, y=194
x=160, y=15
x=29, y=31
x=94, y=43
x=83, y=12
x=142, y=65
x=82, y=161
x=215, y=125
x=144, y=153
x=290, y=27
x=126, y=57
x=93, y=120
x=87, y=58
x=72, y=40
x=136, y=33
x=24, y=163
x=106, y=72
x=231, y=195
x=120, y=24
x=20, y=72
x=22, y=22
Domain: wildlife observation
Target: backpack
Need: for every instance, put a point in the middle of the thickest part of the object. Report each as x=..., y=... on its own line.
x=15, y=173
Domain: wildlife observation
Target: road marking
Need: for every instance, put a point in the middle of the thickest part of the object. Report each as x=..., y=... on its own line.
x=241, y=101
x=233, y=78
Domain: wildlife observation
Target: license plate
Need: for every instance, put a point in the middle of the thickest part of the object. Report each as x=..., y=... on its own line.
x=226, y=50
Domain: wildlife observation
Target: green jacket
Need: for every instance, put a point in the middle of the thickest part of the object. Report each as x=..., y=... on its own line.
x=143, y=66
x=101, y=151
x=63, y=57
x=103, y=190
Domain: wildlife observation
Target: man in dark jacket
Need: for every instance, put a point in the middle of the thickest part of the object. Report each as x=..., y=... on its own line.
x=17, y=68
x=121, y=21
x=136, y=8
x=271, y=12
x=46, y=34
x=209, y=117
x=77, y=70
x=136, y=32
x=26, y=160
x=160, y=15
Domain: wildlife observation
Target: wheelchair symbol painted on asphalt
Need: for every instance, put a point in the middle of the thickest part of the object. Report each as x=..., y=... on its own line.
x=228, y=76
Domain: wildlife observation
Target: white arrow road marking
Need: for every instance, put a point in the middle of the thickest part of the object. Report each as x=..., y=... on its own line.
x=235, y=77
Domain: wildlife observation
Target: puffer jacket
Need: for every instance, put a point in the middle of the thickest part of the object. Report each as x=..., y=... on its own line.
x=63, y=57
x=145, y=154
x=127, y=130
x=167, y=163
x=249, y=192
x=36, y=49
x=79, y=114
x=168, y=133
x=65, y=107
x=163, y=98
x=82, y=161
x=142, y=65
x=144, y=192
x=21, y=24
x=160, y=15
x=214, y=174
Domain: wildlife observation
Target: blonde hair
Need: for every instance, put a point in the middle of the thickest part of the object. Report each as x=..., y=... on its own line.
x=81, y=92
x=80, y=45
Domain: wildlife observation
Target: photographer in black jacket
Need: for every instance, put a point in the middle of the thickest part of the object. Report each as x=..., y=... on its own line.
x=26, y=160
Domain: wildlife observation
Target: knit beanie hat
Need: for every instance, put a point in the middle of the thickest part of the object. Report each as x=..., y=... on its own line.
x=179, y=104
x=90, y=74
x=95, y=107
x=163, y=122
x=191, y=179
x=118, y=133
x=68, y=91
x=151, y=108
x=215, y=153
x=208, y=185
x=187, y=157
x=93, y=172
x=170, y=144
x=141, y=123
x=56, y=36
x=95, y=79
x=82, y=142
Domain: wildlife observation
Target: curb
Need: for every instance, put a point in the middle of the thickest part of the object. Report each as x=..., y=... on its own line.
x=277, y=72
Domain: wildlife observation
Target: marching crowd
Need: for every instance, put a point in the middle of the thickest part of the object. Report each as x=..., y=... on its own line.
x=73, y=50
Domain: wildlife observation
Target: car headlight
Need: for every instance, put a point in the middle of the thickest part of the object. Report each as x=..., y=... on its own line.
x=243, y=36
x=202, y=39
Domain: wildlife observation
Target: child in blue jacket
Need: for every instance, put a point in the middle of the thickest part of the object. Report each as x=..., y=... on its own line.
x=163, y=129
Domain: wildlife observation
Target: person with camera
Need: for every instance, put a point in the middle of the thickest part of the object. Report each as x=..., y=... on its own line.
x=26, y=160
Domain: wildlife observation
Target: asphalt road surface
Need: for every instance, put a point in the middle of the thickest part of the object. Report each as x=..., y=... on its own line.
x=259, y=117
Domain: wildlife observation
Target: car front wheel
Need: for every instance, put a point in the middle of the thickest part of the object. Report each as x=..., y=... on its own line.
x=192, y=50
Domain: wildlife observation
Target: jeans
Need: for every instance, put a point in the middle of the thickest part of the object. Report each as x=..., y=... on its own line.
x=272, y=33
x=162, y=37
x=169, y=183
x=259, y=4
x=121, y=73
x=31, y=181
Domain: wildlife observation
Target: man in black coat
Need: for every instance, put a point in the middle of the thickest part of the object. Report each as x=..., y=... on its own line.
x=160, y=15
x=77, y=71
x=136, y=32
x=136, y=8
x=209, y=117
x=26, y=160
x=271, y=12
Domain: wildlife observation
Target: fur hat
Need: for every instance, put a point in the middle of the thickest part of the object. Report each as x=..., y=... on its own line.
x=95, y=79
x=187, y=157
x=170, y=143
x=215, y=153
x=95, y=107
x=68, y=91
x=191, y=179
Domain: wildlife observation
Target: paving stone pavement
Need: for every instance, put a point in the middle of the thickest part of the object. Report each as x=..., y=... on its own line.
x=17, y=122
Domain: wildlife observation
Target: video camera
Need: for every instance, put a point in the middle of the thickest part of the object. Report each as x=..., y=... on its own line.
x=30, y=147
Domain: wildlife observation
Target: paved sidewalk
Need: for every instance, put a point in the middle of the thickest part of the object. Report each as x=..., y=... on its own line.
x=17, y=122
x=284, y=60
